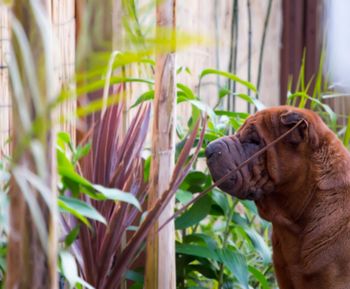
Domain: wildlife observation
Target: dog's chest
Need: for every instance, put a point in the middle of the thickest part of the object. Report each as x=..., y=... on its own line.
x=334, y=273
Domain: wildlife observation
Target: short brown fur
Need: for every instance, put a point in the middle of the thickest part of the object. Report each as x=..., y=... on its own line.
x=302, y=186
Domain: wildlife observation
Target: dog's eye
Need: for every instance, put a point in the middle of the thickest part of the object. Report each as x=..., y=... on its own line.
x=254, y=138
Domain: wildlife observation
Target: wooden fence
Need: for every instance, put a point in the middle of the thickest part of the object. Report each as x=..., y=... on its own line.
x=210, y=19
x=5, y=100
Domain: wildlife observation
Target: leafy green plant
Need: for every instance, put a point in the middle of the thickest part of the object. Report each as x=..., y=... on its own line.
x=115, y=233
x=222, y=243
x=316, y=95
x=4, y=222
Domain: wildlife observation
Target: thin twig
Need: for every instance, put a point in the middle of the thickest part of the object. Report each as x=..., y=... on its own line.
x=225, y=177
x=262, y=47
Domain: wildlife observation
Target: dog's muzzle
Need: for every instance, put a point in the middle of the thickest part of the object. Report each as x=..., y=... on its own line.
x=225, y=155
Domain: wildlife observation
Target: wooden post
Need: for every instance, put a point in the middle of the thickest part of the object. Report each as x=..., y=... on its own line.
x=5, y=101
x=32, y=245
x=160, y=263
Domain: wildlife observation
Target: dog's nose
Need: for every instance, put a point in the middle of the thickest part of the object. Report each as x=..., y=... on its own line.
x=213, y=148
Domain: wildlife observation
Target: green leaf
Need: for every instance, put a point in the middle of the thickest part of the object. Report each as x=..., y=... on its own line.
x=148, y=95
x=203, y=107
x=207, y=270
x=118, y=195
x=228, y=75
x=183, y=196
x=4, y=176
x=147, y=169
x=84, y=283
x=221, y=200
x=187, y=92
x=201, y=239
x=184, y=69
x=259, y=244
x=195, y=115
x=237, y=265
x=242, y=115
x=332, y=115
x=223, y=92
x=63, y=161
x=72, y=236
x=67, y=172
x=81, y=152
x=250, y=99
x=195, y=214
x=196, y=250
x=346, y=140
x=78, y=207
x=134, y=276
x=197, y=178
x=260, y=277
x=69, y=268
x=99, y=84
x=250, y=206
x=64, y=137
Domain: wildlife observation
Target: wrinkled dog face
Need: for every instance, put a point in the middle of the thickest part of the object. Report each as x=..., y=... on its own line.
x=225, y=154
x=260, y=175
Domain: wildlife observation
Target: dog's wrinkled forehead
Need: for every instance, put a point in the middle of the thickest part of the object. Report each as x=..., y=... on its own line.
x=277, y=117
x=272, y=122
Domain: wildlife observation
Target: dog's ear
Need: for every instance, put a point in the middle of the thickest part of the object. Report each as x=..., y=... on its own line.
x=291, y=118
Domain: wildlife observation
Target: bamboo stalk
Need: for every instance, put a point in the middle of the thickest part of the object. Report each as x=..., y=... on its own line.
x=249, y=73
x=160, y=263
x=5, y=100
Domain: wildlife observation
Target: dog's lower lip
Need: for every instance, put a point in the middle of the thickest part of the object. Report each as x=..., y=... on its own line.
x=250, y=197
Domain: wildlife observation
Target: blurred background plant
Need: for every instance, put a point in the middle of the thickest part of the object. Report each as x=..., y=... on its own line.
x=95, y=92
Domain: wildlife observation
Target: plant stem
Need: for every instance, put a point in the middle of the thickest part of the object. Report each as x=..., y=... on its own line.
x=217, y=41
x=224, y=242
x=233, y=54
x=262, y=47
x=249, y=76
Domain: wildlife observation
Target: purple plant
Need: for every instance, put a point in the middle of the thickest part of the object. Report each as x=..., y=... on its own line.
x=103, y=252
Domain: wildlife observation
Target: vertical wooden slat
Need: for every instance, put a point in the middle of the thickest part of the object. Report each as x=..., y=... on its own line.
x=160, y=264
x=301, y=30
x=63, y=21
x=292, y=43
x=5, y=100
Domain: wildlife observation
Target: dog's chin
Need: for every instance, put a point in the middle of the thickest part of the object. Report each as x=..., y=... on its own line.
x=232, y=187
x=253, y=195
x=235, y=189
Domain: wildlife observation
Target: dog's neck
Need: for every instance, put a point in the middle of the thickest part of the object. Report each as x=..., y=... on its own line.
x=287, y=209
x=290, y=206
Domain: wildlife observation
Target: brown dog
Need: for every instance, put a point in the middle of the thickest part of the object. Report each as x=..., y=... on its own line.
x=301, y=185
